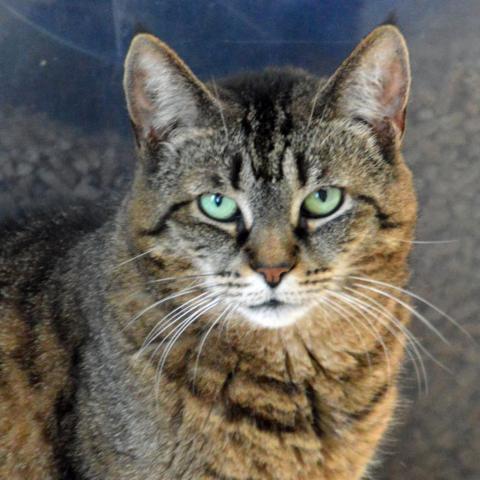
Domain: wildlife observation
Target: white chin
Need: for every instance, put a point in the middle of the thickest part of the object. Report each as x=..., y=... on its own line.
x=273, y=317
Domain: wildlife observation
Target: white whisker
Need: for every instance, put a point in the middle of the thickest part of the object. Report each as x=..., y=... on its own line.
x=414, y=344
x=343, y=297
x=427, y=242
x=174, y=316
x=408, y=307
x=207, y=297
x=440, y=364
x=417, y=297
x=182, y=277
x=183, y=292
x=179, y=331
x=348, y=318
x=134, y=258
x=204, y=339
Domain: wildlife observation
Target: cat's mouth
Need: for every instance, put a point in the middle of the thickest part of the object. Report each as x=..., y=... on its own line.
x=272, y=303
x=273, y=313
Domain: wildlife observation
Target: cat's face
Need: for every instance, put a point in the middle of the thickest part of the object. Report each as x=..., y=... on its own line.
x=277, y=188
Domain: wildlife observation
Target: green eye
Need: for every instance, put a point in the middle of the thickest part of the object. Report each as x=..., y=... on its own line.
x=323, y=202
x=218, y=207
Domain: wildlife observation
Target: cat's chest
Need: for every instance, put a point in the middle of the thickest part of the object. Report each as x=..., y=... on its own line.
x=253, y=430
x=228, y=419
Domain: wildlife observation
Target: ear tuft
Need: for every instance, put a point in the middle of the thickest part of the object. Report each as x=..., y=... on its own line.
x=374, y=82
x=162, y=93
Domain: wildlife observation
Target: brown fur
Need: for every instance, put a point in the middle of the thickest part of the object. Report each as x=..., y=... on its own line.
x=81, y=399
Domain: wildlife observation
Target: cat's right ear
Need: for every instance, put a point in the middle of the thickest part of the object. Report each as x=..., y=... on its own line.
x=373, y=84
x=162, y=93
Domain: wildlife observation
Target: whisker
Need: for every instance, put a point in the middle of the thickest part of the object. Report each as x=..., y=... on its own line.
x=199, y=302
x=179, y=316
x=338, y=310
x=183, y=277
x=180, y=310
x=204, y=339
x=314, y=104
x=415, y=344
x=228, y=317
x=420, y=299
x=181, y=293
x=432, y=357
x=428, y=242
x=369, y=309
x=207, y=298
x=312, y=111
x=408, y=307
x=343, y=297
x=134, y=258
x=179, y=331
x=176, y=332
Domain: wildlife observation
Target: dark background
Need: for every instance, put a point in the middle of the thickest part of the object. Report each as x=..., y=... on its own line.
x=65, y=56
x=64, y=129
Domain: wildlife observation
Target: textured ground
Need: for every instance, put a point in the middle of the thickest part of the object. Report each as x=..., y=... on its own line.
x=438, y=436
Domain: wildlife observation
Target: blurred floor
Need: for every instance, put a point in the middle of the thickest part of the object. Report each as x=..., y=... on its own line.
x=439, y=435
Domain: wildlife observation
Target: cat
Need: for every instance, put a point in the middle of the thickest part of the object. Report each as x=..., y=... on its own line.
x=231, y=317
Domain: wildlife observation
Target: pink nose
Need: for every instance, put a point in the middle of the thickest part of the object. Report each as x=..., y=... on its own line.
x=273, y=275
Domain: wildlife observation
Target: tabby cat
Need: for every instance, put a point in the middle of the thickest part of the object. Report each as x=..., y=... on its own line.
x=230, y=318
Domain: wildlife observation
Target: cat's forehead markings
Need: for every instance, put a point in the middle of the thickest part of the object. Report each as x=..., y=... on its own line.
x=216, y=181
x=236, y=170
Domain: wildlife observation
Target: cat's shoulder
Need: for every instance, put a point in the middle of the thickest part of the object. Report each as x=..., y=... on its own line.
x=40, y=234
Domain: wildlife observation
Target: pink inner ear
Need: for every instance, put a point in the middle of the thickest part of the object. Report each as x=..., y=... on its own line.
x=141, y=104
x=393, y=94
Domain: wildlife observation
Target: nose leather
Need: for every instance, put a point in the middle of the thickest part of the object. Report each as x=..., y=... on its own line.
x=273, y=275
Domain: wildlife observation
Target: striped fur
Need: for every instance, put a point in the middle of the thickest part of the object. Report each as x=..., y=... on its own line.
x=82, y=397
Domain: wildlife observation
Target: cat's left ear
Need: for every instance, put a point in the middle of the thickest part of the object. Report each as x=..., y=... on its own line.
x=162, y=93
x=373, y=84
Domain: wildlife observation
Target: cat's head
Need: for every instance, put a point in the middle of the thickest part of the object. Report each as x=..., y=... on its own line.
x=274, y=187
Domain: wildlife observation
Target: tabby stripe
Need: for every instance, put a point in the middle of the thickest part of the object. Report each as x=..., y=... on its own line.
x=60, y=327
x=301, y=233
x=301, y=169
x=316, y=419
x=24, y=357
x=279, y=385
x=242, y=236
x=65, y=422
x=319, y=368
x=377, y=398
x=263, y=139
x=29, y=289
x=380, y=214
x=237, y=165
x=366, y=360
x=287, y=125
x=235, y=413
x=160, y=225
x=285, y=130
x=315, y=282
x=3, y=371
x=212, y=472
x=246, y=125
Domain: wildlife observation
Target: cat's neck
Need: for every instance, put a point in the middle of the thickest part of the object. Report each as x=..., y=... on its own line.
x=312, y=383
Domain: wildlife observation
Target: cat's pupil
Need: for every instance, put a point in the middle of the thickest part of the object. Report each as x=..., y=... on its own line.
x=322, y=195
x=218, y=199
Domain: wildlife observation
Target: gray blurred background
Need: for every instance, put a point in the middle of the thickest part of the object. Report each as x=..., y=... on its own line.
x=64, y=130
